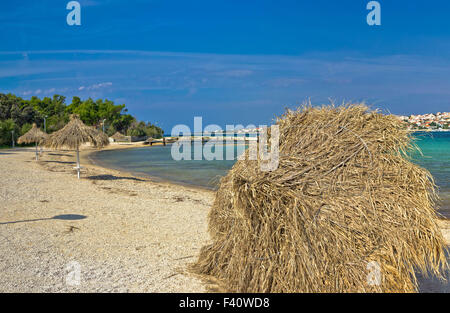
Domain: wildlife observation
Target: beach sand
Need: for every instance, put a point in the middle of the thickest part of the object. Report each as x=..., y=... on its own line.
x=137, y=235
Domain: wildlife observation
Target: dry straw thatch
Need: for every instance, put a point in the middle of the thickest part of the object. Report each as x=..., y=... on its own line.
x=344, y=199
x=34, y=135
x=118, y=136
x=73, y=135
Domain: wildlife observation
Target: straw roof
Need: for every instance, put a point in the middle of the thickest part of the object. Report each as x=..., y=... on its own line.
x=345, y=211
x=33, y=135
x=118, y=136
x=74, y=134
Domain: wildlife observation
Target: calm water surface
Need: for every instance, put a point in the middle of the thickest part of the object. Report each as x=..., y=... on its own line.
x=158, y=162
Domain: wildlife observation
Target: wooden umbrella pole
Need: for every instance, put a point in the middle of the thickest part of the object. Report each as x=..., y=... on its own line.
x=36, y=151
x=78, y=162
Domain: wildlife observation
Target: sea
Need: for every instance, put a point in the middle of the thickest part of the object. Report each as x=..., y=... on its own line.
x=435, y=157
x=157, y=162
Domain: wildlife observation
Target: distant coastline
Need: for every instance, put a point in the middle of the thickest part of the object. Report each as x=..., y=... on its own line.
x=428, y=130
x=439, y=121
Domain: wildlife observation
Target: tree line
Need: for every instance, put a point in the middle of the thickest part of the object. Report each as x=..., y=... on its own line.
x=18, y=115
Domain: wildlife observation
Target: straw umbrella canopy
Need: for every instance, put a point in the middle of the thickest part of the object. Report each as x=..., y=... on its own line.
x=34, y=135
x=118, y=136
x=73, y=135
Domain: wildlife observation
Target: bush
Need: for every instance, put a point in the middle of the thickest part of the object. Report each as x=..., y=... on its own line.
x=6, y=127
x=25, y=128
x=140, y=129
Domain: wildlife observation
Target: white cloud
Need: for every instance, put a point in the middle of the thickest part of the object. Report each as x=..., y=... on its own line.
x=95, y=86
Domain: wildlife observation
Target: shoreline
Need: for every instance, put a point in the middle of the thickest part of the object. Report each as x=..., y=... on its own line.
x=443, y=222
x=133, y=234
x=136, y=235
x=85, y=157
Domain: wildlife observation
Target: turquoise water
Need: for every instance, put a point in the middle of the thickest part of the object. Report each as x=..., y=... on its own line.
x=435, y=147
x=157, y=162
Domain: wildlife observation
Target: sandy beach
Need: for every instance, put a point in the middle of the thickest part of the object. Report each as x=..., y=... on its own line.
x=134, y=235
x=137, y=235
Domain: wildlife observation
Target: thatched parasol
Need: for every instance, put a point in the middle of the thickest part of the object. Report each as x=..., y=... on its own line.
x=118, y=136
x=73, y=135
x=34, y=135
x=345, y=211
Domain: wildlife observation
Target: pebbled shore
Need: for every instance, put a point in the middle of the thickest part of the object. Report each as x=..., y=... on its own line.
x=137, y=235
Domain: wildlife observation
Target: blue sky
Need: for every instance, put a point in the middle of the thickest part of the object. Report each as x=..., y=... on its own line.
x=232, y=62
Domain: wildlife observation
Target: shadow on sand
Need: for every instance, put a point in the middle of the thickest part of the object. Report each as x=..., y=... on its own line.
x=60, y=162
x=112, y=177
x=65, y=217
x=60, y=154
